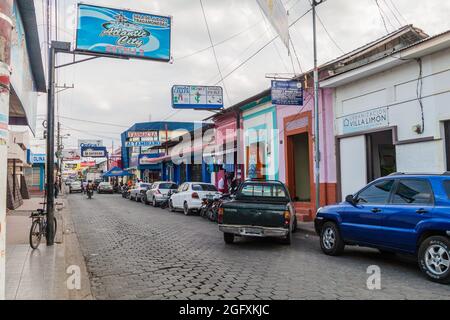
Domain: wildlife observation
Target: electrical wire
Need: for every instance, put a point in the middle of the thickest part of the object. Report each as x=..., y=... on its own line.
x=95, y=122
x=382, y=16
x=262, y=48
x=214, y=52
x=329, y=35
x=398, y=11
x=393, y=13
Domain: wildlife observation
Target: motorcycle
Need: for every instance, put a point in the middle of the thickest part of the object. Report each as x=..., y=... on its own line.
x=125, y=192
x=207, y=203
x=213, y=212
x=90, y=193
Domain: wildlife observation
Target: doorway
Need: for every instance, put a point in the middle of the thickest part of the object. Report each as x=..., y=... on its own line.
x=381, y=157
x=301, y=165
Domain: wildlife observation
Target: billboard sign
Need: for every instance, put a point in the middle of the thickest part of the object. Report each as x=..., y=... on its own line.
x=123, y=33
x=86, y=164
x=71, y=154
x=287, y=93
x=89, y=143
x=197, y=97
x=94, y=152
x=137, y=144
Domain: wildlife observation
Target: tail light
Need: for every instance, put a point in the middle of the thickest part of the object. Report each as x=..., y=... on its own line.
x=220, y=215
x=287, y=217
x=195, y=196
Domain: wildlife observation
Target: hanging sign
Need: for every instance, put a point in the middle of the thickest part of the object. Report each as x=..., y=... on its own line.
x=287, y=93
x=197, y=97
x=94, y=152
x=123, y=33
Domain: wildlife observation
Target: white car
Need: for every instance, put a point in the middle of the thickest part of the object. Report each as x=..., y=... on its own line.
x=159, y=192
x=189, y=196
x=75, y=187
x=139, y=190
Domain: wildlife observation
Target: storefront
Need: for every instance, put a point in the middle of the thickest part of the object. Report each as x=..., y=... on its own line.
x=393, y=115
x=260, y=139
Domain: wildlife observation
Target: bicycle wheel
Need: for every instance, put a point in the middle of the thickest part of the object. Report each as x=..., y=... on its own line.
x=35, y=234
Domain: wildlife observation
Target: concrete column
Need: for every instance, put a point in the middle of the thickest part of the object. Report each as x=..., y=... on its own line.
x=5, y=73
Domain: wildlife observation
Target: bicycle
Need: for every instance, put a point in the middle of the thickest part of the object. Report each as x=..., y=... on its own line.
x=39, y=227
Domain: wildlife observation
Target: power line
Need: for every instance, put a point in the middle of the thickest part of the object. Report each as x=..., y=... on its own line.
x=393, y=13
x=398, y=11
x=329, y=35
x=296, y=56
x=382, y=16
x=263, y=47
x=214, y=51
x=95, y=122
x=220, y=42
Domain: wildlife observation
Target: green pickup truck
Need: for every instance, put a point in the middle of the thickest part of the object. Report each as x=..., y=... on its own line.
x=259, y=209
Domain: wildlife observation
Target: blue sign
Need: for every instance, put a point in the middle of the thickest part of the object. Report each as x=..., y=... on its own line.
x=287, y=93
x=131, y=144
x=197, y=97
x=123, y=33
x=94, y=152
x=38, y=158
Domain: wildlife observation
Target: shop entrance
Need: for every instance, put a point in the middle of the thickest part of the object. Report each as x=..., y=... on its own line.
x=381, y=158
x=300, y=159
x=447, y=143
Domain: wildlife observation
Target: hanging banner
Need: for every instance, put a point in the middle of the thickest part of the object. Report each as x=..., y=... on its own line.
x=277, y=15
x=123, y=33
x=94, y=152
x=287, y=93
x=197, y=97
x=71, y=154
x=131, y=144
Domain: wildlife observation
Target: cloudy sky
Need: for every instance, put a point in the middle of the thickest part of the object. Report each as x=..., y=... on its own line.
x=122, y=92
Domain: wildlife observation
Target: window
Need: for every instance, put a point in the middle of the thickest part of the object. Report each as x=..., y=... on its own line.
x=204, y=187
x=185, y=187
x=166, y=186
x=377, y=193
x=415, y=192
x=447, y=187
x=263, y=190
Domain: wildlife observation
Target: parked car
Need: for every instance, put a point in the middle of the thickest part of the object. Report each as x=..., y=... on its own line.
x=188, y=196
x=97, y=183
x=138, y=191
x=258, y=209
x=105, y=187
x=159, y=192
x=400, y=213
x=75, y=186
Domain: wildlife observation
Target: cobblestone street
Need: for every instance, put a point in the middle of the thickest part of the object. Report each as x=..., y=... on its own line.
x=134, y=251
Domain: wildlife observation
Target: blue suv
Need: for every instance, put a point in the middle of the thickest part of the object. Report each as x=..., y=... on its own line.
x=400, y=213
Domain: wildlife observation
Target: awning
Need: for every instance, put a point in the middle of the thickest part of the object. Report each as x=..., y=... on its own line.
x=117, y=172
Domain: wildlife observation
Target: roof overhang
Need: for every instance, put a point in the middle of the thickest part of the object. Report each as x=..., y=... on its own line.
x=28, y=13
x=423, y=48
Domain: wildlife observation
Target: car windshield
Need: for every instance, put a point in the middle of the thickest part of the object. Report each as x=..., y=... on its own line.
x=263, y=190
x=447, y=187
x=104, y=184
x=168, y=186
x=204, y=187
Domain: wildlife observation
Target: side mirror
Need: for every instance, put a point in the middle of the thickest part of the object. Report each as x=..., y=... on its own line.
x=350, y=199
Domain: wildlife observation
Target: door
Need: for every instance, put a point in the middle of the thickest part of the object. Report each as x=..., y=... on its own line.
x=363, y=221
x=177, y=196
x=412, y=203
x=353, y=164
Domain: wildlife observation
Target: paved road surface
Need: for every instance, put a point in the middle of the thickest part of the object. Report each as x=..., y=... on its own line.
x=134, y=251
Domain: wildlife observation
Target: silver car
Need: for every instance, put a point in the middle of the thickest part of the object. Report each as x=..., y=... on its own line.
x=159, y=192
x=75, y=187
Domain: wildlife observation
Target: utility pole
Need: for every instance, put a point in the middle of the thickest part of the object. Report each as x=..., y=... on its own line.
x=315, y=3
x=6, y=27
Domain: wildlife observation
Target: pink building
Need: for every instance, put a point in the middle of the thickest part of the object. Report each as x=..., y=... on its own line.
x=296, y=152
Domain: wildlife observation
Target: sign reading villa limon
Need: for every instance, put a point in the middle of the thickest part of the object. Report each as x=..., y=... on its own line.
x=123, y=33
x=366, y=120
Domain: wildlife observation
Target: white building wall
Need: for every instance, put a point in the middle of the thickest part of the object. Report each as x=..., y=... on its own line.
x=397, y=90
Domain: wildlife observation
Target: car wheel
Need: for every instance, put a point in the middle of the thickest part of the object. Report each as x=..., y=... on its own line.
x=186, y=209
x=434, y=259
x=171, y=207
x=330, y=240
x=295, y=225
x=287, y=240
x=144, y=199
x=154, y=203
x=136, y=198
x=228, y=238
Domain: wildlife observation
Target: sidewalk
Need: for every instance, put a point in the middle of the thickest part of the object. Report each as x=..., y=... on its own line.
x=41, y=274
x=307, y=228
